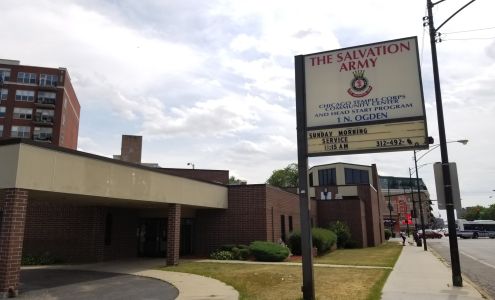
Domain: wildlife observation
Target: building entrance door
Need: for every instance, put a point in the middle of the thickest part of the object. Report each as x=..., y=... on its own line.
x=152, y=237
x=186, y=236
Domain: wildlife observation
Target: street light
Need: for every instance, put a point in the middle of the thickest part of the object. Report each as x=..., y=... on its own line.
x=191, y=164
x=449, y=203
x=416, y=159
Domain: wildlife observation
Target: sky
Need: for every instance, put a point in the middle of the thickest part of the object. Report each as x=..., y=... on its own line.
x=211, y=83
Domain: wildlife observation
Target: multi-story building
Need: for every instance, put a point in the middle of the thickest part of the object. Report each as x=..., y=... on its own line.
x=351, y=194
x=401, y=204
x=38, y=103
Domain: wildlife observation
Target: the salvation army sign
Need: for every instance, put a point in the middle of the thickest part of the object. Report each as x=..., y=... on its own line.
x=354, y=96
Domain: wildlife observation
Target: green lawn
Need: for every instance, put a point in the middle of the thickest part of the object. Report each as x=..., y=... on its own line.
x=382, y=256
x=284, y=282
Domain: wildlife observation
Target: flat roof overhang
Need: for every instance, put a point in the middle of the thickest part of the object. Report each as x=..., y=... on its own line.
x=50, y=170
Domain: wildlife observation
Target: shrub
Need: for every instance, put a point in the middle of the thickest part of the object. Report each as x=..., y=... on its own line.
x=240, y=253
x=222, y=255
x=268, y=251
x=388, y=234
x=343, y=233
x=241, y=246
x=323, y=240
x=227, y=247
x=244, y=254
x=294, y=242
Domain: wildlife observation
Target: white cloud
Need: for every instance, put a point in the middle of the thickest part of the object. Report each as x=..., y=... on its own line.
x=213, y=81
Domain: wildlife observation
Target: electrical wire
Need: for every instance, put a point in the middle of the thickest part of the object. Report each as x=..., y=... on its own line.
x=469, y=30
x=468, y=39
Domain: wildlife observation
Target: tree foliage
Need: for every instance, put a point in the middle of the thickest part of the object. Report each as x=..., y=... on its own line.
x=479, y=212
x=488, y=213
x=286, y=177
x=234, y=180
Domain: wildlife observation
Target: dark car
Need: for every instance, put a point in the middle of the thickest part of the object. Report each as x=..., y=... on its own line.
x=430, y=234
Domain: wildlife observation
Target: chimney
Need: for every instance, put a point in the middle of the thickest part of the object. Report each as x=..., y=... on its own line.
x=131, y=148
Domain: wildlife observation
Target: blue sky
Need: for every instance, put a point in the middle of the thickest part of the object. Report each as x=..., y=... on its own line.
x=212, y=82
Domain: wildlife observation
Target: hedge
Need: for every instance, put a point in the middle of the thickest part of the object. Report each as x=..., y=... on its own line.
x=323, y=240
x=268, y=251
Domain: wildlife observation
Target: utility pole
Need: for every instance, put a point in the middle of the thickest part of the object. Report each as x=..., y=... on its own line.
x=420, y=205
x=454, y=249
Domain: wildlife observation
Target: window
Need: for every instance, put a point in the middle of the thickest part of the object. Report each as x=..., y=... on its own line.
x=2, y=111
x=44, y=115
x=22, y=95
x=291, y=225
x=311, y=179
x=326, y=177
x=3, y=94
x=42, y=134
x=46, y=97
x=282, y=228
x=355, y=176
x=48, y=80
x=20, y=131
x=24, y=77
x=23, y=113
x=1, y=130
x=4, y=75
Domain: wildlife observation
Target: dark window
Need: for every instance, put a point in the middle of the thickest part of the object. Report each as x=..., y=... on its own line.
x=354, y=176
x=290, y=224
x=311, y=179
x=108, y=229
x=282, y=227
x=326, y=177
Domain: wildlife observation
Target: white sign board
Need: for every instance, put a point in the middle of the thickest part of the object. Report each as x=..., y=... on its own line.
x=366, y=85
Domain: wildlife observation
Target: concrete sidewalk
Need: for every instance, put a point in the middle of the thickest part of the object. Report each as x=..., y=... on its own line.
x=419, y=274
x=190, y=286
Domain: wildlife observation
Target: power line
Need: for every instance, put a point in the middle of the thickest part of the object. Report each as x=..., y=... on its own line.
x=423, y=41
x=467, y=39
x=469, y=30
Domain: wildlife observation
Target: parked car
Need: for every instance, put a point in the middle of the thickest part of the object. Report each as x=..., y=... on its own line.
x=430, y=234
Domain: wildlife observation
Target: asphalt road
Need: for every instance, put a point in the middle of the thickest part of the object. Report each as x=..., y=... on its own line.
x=477, y=260
x=45, y=284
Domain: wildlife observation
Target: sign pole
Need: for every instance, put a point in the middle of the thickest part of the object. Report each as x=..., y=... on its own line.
x=308, y=287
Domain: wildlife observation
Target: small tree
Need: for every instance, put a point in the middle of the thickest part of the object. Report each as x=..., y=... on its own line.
x=343, y=233
x=283, y=178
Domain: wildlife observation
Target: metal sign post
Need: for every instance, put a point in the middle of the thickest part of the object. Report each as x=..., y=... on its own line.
x=308, y=287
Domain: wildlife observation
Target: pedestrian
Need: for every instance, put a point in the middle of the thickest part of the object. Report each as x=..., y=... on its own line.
x=403, y=236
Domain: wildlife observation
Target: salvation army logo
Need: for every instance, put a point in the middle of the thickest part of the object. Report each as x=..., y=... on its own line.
x=359, y=85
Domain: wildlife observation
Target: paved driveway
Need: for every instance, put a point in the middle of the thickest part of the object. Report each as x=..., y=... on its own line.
x=51, y=284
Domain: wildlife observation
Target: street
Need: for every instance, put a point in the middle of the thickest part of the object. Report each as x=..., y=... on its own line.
x=477, y=258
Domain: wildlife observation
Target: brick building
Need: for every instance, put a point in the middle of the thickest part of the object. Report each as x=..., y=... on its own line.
x=401, y=203
x=349, y=193
x=81, y=207
x=38, y=103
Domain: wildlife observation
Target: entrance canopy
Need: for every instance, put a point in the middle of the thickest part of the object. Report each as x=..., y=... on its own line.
x=46, y=169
